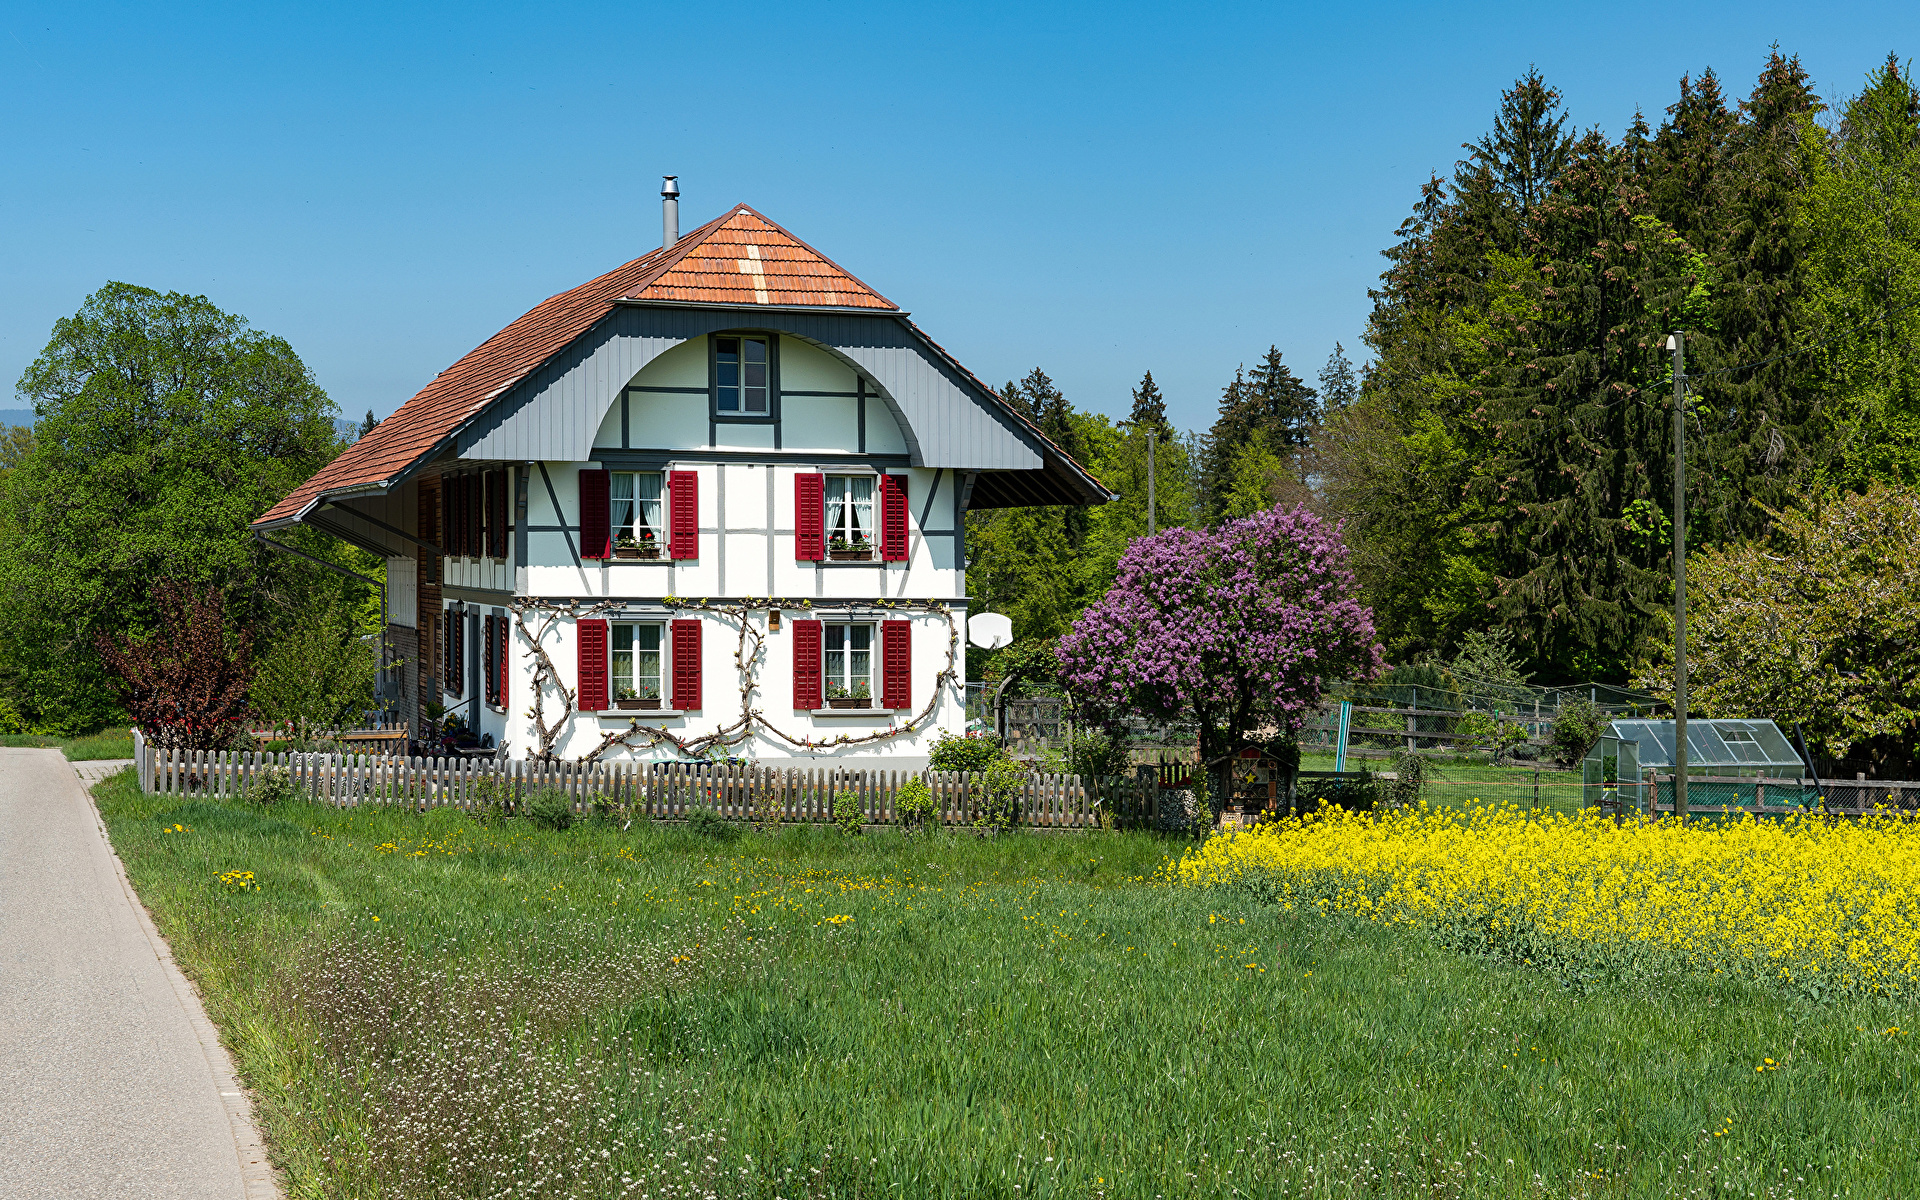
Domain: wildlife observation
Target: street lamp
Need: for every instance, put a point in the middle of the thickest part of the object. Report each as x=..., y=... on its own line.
x=1153, y=435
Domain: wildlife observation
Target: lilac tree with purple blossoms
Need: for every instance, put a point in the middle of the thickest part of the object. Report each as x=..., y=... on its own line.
x=1238, y=628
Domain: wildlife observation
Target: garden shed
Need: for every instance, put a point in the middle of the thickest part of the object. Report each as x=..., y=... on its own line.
x=1720, y=747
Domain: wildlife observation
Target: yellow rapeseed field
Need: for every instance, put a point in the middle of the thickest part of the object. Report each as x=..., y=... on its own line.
x=1829, y=905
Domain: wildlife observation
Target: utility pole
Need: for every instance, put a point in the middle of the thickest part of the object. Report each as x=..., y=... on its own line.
x=1677, y=344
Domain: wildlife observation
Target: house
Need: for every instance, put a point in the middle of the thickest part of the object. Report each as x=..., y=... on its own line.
x=709, y=503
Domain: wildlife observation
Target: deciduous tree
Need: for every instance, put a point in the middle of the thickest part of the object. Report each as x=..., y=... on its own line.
x=1238, y=628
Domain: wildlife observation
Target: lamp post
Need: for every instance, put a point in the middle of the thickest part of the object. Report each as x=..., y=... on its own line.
x=1153, y=435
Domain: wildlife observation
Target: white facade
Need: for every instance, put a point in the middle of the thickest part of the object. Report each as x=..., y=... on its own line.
x=827, y=422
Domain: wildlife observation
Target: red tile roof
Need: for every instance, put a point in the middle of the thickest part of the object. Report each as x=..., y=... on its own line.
x=738, y=258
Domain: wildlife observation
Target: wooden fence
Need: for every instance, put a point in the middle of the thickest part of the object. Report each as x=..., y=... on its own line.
x=664, y=791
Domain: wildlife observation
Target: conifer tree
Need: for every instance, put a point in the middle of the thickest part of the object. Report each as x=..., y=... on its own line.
x=1269, y=400
x=1527, y=149
x=1150, y=407
x=1580, y=459
x=1688, y=161
x=1339, y=386
x=1754, y=434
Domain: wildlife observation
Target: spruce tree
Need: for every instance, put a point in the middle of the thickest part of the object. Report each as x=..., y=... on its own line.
x=1581, y=428
x=1528, y=147
x=1686, y=183
x=1754, y=433
x=1150, y=407
x=1339, y=386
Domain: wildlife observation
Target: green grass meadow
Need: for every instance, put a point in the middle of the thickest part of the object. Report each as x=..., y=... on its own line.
x=108, y=743
x=427, y=1006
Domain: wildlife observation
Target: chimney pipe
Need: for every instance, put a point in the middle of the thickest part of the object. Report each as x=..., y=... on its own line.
x=669, y=210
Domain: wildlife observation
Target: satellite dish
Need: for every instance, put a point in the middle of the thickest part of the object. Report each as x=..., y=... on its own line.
x=990, y=631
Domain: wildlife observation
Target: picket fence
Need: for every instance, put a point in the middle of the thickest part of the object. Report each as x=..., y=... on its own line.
x=665, y=791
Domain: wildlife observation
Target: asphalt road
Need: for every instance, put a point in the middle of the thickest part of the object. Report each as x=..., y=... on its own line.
x=112, y=1081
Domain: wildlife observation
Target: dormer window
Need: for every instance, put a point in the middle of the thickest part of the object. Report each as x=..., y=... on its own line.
x=742, y=377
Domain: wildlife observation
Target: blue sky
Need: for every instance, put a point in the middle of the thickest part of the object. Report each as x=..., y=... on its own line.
x=1095, y=189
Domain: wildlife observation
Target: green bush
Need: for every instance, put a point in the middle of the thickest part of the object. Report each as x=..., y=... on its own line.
x=11, y=722
x=493, y=800
x=847, y=814
x=550, y=810
x=1576, y=727
x=972, y=752
x=915, y=805
x=274, y=785
x=999, y=794
x=1092, y=754
x=706, y=823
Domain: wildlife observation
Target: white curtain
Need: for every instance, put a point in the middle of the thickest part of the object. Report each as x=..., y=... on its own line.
x=862, y=508
x=836, y=494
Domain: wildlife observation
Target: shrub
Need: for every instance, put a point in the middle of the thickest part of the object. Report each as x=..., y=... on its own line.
x=999, y=794
x=493, y=800
x=10, y=719
x=1412, y=775
x=915, y=805
x=1092, y=754
x=1576, y=727
x=549, y=810
x=185, y=684
x=847, y=814
x=706, y=823
x=969, y=753
x=274, y=785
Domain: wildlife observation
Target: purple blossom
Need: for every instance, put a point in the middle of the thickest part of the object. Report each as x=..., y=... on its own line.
x=1238, y=627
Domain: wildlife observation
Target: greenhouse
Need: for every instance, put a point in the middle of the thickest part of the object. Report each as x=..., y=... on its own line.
x=1632, y=750
x=1749, y=749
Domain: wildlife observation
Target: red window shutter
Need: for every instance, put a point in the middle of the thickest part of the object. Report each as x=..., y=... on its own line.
x=683, y=540
x=593, y=666
x=456, y=524
x=497, y=513
x=809, y=519
x=896, y=664
x=806, y=664
x=596, y=516
x=469, y=516
x=486, y=658
x=686, y=665
x=893, y=518
x=457, y=653
x=500, y=661
x=476, y=509
x=464, y=490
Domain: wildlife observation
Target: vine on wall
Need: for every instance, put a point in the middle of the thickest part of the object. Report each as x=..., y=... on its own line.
x=535, y=619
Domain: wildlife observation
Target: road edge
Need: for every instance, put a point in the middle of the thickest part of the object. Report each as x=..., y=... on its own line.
x=257, y=1176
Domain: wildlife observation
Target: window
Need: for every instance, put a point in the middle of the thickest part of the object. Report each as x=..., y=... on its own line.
x=636, y=662
x=742, y=377
x=849, y=512
x=847, y=662
x=636, y=511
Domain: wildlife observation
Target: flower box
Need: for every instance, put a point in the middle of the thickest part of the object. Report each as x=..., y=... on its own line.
x=863, y=554
x=636, y=552
x=850, y=702
x=631, y=703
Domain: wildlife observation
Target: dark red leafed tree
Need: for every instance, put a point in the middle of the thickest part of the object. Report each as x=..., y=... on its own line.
x=185, y=685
